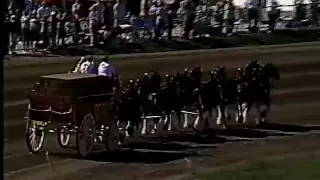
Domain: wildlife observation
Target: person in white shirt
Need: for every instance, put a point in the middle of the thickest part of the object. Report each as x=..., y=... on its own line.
x=252, y=7
x=119, y=11
x=94, y=24
x=106, y=69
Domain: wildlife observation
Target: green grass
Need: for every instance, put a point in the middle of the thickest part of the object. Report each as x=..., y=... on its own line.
x=289, y=169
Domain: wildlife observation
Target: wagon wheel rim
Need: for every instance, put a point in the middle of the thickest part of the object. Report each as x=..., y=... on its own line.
x=86, y=135
x=64, y=137
x=35, y=136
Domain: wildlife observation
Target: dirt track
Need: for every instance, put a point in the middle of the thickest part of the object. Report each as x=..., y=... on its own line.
x=297, y=101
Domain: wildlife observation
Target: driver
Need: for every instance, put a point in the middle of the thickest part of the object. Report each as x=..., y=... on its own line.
x=106, y=69
x=85, y=65
x=77, y=67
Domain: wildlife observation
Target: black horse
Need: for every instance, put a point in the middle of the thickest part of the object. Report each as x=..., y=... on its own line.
x=256, y=90
x=190, y=84
x=149, y=89
x=169, y=101
x=128, y=108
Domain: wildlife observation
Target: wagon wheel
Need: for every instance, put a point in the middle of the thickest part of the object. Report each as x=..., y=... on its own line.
x=34, y=136
x=86, y=134
x=63, y=137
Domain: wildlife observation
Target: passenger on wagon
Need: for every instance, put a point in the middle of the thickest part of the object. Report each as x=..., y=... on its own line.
x=76, y=69
x=106, y=69
x=85, y=65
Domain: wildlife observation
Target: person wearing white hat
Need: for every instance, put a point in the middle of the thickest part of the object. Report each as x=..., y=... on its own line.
x=85, y=64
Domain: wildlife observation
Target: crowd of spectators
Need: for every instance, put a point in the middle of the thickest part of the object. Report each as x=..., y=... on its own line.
x=47, y=25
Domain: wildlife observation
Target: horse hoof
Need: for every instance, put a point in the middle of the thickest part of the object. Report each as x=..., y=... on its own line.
x=130, y=131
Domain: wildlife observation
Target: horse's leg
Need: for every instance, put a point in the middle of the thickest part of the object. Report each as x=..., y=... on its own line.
x=127, y=126
x=264, y=109
x=197, y=120
x=239, y=113
x=258, y=107
x=226, y=114
x=155, y=123
x=185, y=120
x=245, y=106
x=144, y=126
x=179, y=115
x=210, y=116
x=221, y=119
x=169, y=116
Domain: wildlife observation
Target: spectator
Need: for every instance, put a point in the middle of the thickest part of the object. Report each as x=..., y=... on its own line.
x=14, y=21
x=61, y=17
x=44, y=31
x=160, y=20
x=25, y=23
x=229, y=16
x=76, y=18
x=300, y=10
x=219, y=12
x=54, y=25
x=94, y=23
x=315, y=12
x=119, y=11
x=188, y=18
x=252, y=7
x=34, y=30
x=273, y=14
x=169, y=22
x=43, y=11
x=100, y=8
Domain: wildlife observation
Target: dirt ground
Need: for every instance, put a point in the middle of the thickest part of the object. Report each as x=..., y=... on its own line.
x=177, y=156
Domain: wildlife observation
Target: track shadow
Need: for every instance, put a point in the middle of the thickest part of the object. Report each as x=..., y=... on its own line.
x=207, y=137
x=160, y=145
x=138, y=152
x=287, y=127
x=242, y=132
